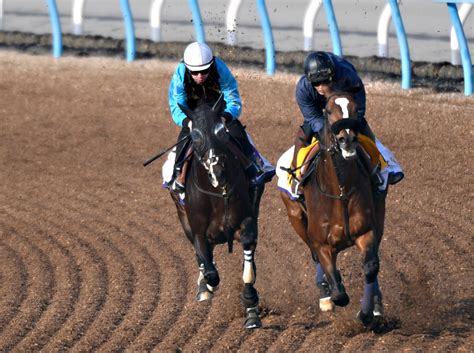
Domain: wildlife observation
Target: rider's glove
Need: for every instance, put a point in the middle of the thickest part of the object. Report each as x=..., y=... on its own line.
x=227, y=117
x=188, y=123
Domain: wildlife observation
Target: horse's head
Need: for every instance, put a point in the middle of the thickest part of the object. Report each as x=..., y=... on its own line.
x=341, y=126
x=209, y=138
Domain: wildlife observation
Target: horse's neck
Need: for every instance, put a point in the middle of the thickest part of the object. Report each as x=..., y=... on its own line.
x=335, y=172
x=234, y=175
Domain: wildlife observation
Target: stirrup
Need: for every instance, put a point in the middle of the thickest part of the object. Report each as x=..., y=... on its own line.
x=177, y=187
x=394, y=178
x=377, y=178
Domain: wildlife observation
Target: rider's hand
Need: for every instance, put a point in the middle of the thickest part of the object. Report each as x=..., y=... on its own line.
x=227, y=117
x=188, y=123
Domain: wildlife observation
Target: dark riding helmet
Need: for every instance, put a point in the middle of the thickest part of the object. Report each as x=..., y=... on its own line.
x=319, y=67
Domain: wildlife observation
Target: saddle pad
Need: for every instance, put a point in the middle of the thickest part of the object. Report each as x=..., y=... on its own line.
x=167, y=172
x=284, y=179
x=302, y=154
x=167, y=169
x=374, y=153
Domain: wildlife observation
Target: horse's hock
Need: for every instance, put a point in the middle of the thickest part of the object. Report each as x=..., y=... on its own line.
x=93, y=258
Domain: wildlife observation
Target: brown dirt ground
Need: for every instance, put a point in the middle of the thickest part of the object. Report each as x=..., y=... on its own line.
x=92, y=256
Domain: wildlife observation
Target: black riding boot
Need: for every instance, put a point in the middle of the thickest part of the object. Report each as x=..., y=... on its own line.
x=178, y=163
x=237, y=131
x=376, y=175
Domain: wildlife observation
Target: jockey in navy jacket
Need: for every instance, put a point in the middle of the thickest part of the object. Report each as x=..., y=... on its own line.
x=311, y=103
x=326, y=73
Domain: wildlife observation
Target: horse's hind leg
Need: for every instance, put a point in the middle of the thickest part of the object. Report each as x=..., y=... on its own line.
x=371, y=304
x=249, y=296
x=325, y=302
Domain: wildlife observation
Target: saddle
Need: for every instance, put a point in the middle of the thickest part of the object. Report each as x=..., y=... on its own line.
x=307, y=157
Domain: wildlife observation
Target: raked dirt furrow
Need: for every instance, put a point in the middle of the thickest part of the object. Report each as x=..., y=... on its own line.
x=40, y=289
x=14, y=277
x=66, y=278
x=93, y=274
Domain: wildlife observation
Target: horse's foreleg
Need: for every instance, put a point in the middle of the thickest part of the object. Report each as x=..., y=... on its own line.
x=249, y=296
x=204, y=291
x=328, y=262
x=371, y=304
x=205, y=258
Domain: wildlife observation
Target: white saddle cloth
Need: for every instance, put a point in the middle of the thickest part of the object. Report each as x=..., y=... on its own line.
x=287, y=157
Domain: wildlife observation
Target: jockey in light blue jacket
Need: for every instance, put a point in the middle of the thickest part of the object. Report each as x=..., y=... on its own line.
x=222, y=81
x=199, y=75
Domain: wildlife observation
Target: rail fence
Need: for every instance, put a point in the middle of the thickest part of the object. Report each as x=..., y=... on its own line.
x=390, y=13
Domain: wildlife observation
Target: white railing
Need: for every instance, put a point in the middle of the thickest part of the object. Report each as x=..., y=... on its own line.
x=155, y=20
x=390, y=12
x=77, y=16
x=464, y=12
x=231, y=21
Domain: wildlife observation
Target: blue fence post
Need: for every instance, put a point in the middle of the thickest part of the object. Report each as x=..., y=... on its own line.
x=268, y=36
x=464, y=49
x=198, y=26
x=56, y=28
x=129, y=30
x=333, y=28
x=403, y=43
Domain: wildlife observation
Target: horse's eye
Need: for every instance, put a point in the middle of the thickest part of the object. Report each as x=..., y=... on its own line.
x=219, y=132
x=197, y=136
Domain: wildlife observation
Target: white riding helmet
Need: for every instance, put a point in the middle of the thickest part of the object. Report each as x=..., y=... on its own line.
x=198, y=56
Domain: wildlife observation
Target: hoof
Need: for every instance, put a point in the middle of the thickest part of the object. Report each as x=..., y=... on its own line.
x=378, y=307
x=326, y=304
x=204, y=295
x=253, y=320
x=366, y=319
x=341, y=300
x=378, y=313
x=205, y=292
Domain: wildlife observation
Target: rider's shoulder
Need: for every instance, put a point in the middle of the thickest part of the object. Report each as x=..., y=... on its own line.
x=303, y=84
x=220, y=64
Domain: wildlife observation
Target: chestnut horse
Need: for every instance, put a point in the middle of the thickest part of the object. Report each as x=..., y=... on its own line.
x=341, y=209
x=220, y=205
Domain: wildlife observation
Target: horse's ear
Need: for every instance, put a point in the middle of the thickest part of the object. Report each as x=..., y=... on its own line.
x=186, y=111
x=220, y=104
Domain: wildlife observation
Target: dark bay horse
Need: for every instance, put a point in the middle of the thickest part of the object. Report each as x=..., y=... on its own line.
x=341, y=209
x=220, y=205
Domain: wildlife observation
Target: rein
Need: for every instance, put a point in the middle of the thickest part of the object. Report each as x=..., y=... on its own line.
x=343, y=196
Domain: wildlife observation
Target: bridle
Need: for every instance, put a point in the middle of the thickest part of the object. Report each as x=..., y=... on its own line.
x=335, y=151
x=223, y=193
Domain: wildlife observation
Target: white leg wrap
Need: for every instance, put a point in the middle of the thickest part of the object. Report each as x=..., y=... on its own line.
x=248, y=275
x=201, y=274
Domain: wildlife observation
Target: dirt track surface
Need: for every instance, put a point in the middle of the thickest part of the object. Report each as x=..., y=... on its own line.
x=92, y=256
